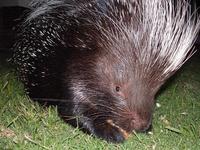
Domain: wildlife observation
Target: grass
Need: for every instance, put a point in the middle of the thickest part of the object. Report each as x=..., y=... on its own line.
x=26, y=125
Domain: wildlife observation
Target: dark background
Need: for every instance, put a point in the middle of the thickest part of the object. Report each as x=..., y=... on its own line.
x=10, y=10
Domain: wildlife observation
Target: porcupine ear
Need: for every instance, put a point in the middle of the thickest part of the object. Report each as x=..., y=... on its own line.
x=171, y=29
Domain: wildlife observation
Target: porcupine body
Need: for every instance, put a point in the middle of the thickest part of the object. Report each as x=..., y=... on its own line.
x=105, y=59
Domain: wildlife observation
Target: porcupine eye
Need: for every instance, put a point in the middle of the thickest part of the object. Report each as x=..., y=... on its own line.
x=119, y=92
x=117, y=89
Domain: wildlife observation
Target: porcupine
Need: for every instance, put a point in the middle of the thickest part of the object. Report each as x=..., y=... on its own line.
x=105, y=59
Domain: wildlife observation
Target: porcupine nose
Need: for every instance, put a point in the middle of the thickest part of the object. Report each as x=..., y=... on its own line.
x=140, y=123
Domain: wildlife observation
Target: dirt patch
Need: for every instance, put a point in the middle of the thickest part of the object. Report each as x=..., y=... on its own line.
x=6, y=132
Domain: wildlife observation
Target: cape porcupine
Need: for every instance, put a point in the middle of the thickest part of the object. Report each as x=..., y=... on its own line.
x=105, y=59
